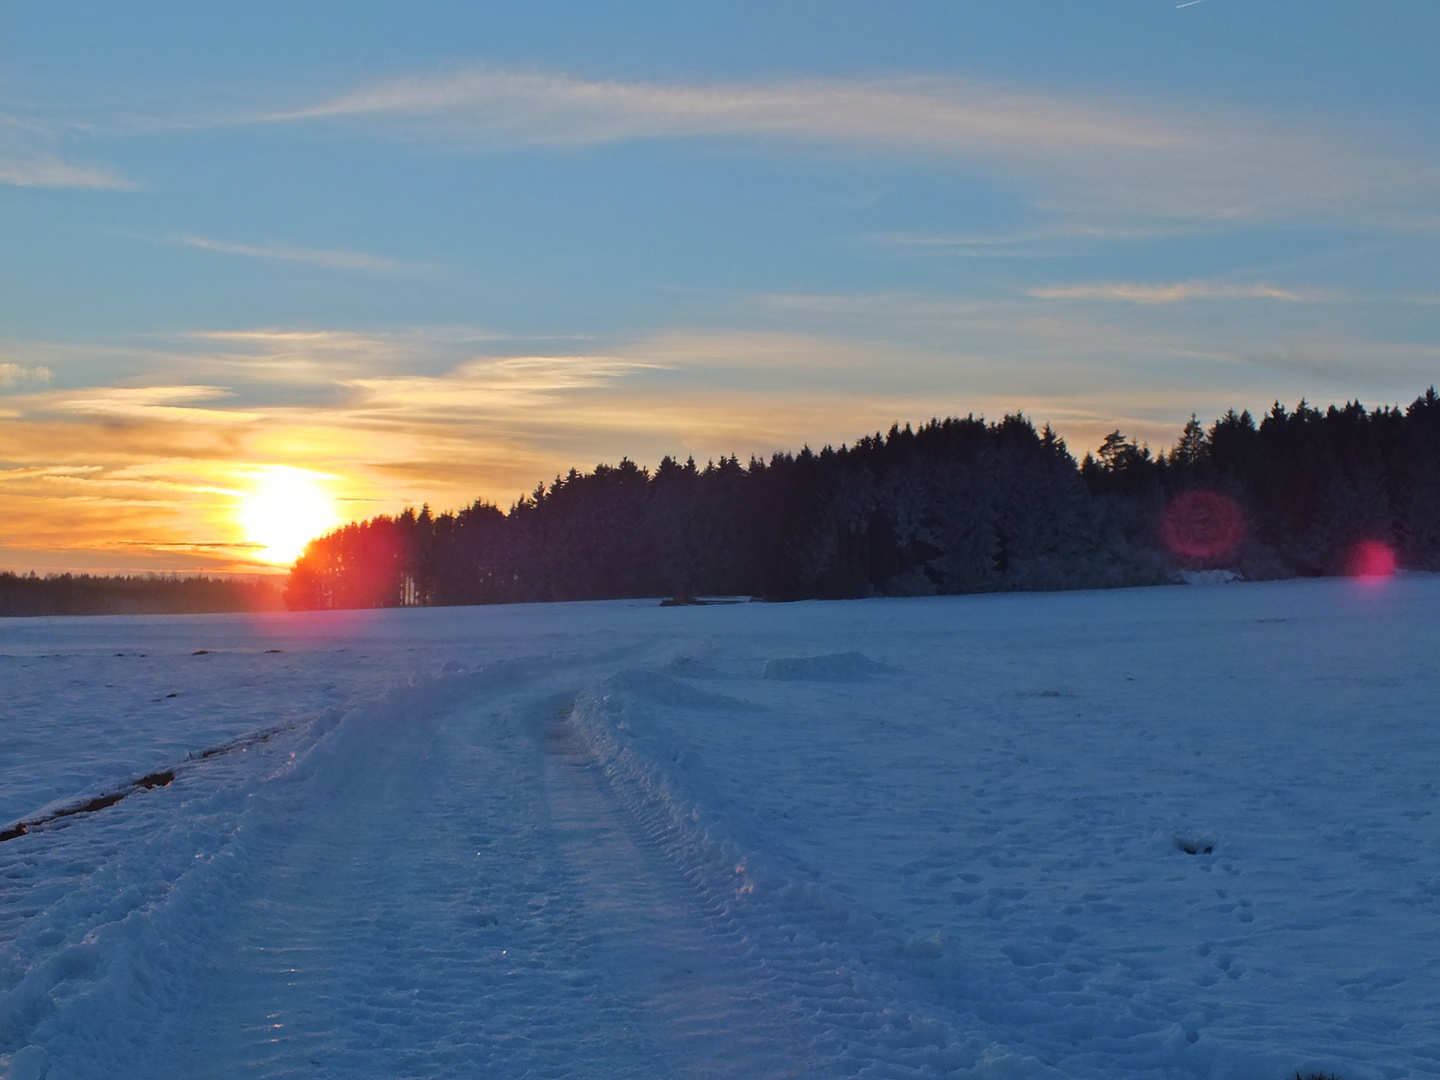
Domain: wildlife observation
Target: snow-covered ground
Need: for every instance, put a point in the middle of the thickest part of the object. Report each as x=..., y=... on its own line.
x=1172, y=832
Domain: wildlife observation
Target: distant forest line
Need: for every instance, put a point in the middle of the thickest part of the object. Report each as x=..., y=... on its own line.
x=954, y=506
x=86, y=594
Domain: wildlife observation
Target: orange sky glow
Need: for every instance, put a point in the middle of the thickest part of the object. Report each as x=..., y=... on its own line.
x=200, y=476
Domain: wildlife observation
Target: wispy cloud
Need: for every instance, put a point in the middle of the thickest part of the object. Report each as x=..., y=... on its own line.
x=146, y=403
x=965, y=246
x=322, y=359
x=1033, y=347
x=45, y=171
x=1174, y=292
x=921, y=114
x=1078, y=156
x=1055, y=237
x=331, y=258
x=497, y=385
x=1336, y=355
x=29, y=157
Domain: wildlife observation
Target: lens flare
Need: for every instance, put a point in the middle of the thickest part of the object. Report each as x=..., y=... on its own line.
x=1371, y=560
x=1202, y=525
x=287, y=509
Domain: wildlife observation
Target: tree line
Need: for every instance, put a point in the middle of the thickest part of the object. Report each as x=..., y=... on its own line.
x=954, y=506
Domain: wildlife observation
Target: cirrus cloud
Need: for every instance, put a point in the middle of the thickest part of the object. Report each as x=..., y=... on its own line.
x=1076, y=155
x=1174, y=292
x=331, y=258
x=45, y=171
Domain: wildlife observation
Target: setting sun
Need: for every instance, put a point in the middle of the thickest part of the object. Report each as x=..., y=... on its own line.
x=287, y=508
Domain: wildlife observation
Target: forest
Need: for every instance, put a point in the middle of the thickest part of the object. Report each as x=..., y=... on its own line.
x=957, y=505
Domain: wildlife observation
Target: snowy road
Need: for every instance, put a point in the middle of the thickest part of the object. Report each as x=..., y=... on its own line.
x=1168, y=832
x=452, y=908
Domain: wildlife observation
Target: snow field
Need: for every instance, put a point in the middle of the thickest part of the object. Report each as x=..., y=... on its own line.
x=895, y=838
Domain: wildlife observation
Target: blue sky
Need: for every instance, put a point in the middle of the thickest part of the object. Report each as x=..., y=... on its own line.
x=437, y=251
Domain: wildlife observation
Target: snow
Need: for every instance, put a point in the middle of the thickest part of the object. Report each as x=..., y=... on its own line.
x=1177, y=832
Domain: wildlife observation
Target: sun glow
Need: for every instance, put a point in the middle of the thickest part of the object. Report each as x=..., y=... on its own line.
x=286, y=510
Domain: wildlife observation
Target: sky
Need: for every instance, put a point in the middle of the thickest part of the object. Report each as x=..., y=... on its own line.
x=367, y=255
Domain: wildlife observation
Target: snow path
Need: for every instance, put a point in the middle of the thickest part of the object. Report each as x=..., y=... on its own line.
x=1175, y=833
x=453, y=907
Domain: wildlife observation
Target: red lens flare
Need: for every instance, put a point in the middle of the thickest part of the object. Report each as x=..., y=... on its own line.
x=1371, y=560
x=1202, y=525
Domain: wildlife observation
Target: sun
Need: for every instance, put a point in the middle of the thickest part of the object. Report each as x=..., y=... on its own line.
x=287, y=509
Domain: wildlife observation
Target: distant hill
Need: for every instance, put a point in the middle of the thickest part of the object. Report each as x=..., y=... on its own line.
x=84, y=594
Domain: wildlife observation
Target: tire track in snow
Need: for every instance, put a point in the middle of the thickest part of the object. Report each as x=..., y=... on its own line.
x=710, y=1011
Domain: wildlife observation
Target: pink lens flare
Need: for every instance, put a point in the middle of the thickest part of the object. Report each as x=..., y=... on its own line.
x=1202, y=525
x=1371, y=560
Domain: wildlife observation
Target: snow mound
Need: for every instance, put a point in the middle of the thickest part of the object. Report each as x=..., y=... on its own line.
x=661, y=689
x=1209, y=577
x=832, y=667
